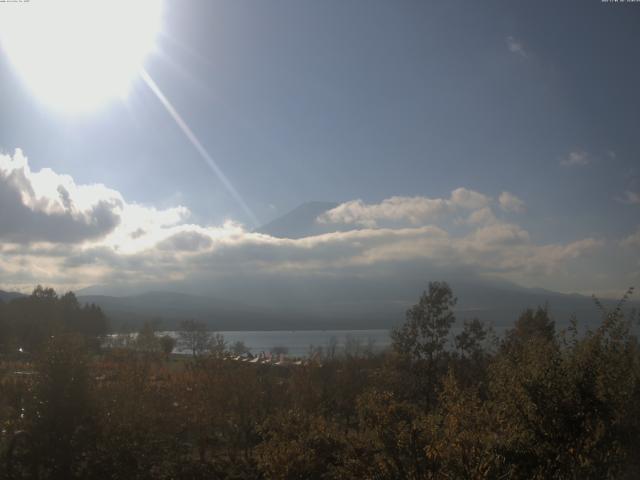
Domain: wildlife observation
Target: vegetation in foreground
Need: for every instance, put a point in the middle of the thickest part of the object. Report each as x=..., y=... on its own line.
x=537, y=404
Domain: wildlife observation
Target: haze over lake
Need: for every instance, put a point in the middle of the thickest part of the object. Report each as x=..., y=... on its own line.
x=298, y=343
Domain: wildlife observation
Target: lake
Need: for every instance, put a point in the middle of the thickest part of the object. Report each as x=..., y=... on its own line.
x=298, y=342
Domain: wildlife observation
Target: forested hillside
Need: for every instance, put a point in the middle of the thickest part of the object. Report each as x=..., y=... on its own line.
x=537, y=403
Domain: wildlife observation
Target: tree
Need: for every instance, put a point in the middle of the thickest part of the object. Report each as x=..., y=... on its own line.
x=423, y=336
x=95, y=322
x=167, y=344
x=63, y=406
x=352, y=346
x=147, y=340
x=420, y=344
x=217, y=344
x=300, y=445
x=393, y=439
x=5, y=330
x=568, y=409
x=239, y=348
x=31, y=320
x=280, y=350
x=89, y=320
x=194, y=336
x=469, y=342
x=42, y=293
x=36, y=318
x=533, y=325
x=332, y=347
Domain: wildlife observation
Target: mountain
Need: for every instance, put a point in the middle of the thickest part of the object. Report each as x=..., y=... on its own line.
x=169, y=308
x=8, y=296
x=347, y=303
x=273, y=301
x=374, y=298
x=299, y=222
x=498, y=303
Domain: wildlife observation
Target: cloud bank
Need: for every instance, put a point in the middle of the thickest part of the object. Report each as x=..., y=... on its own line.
x=44, y=206
x=72, y=236
x=415, y=210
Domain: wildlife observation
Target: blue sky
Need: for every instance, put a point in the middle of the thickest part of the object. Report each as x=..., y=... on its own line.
x=345, y=100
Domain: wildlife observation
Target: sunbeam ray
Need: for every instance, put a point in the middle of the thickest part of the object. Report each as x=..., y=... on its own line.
x=211, y=163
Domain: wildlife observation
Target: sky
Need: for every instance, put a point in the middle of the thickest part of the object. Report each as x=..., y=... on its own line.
x=497, y=138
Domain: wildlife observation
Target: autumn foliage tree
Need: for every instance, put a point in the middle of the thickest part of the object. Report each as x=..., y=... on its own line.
x=540, y=404
x=28, y=322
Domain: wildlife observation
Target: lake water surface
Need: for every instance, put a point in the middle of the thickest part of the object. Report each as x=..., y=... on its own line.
x=298, y=342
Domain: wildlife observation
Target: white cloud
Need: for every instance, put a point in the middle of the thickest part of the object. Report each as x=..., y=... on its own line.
x=629, y=198
x=516, y=47
x=414, y=210
x=143, y=245
x=218, y=252
x=510, y=203
x=500, y=234
x=633, y=240
x=576, y=159
x=483, y=216
x=469, y=199
x=45, y=206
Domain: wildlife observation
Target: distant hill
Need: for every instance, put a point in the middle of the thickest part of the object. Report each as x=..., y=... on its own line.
x=299, y=222
x=169, y=308
x=337, y=304
x=499, y=304
x=295, y=302
x=303, y=302
x=8, y=296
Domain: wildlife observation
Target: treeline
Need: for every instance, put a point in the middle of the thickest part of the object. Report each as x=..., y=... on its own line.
x=536, y=404
x=26, y=323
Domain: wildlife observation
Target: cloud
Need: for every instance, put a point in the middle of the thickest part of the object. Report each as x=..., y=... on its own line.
x=576, y=159
x=187, y=241
x=44, y=206
x=483, y=216
x=629, y=198
x=131, y=244
x=633, y=240
x=516, y=47
x=510, y=203
x=414, y=210
x=500, y=235
x=229, y=252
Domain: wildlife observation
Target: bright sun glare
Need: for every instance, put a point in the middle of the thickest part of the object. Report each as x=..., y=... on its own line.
x=76, y=55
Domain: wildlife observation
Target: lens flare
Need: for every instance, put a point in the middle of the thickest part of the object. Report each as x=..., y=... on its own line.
x=209, y=161
x=76, y=55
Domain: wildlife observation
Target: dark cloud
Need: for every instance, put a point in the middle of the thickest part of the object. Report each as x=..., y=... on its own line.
x=188, y=241
x=20, y=223
x=57, y=232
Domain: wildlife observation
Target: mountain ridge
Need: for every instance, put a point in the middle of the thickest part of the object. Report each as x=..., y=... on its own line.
x=6, y=296
x=299, y=222
x=346, y=301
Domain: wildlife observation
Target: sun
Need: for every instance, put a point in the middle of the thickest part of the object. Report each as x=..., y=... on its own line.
x=76, y=55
